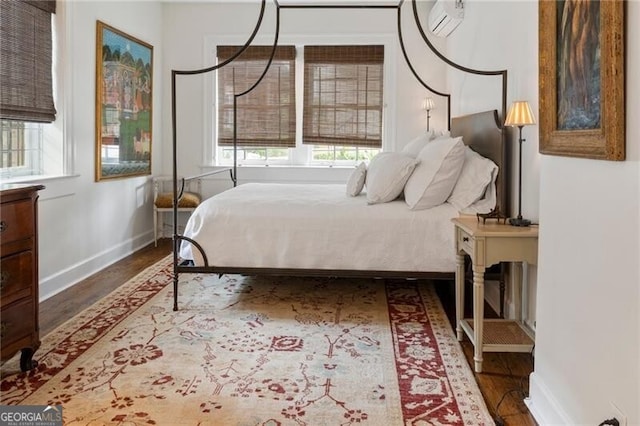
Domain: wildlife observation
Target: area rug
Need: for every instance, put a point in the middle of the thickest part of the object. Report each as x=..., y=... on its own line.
x=254, y=351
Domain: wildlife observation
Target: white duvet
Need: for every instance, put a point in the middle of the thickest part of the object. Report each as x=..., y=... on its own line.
x=307, y=226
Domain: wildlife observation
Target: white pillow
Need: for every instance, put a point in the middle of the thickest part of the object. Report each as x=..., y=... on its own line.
x=386, y=176
x=487, y=202
x=435, y=176
x=414, y=147
x=356, y=180
x=476, y=175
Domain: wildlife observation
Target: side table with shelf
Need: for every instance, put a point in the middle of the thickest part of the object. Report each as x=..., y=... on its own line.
x=489, y=244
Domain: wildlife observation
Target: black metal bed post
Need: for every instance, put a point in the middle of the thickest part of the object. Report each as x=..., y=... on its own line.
x=174, y=122
x=176, y=237
x=447, y=96
x=174, y=240
x=235, y=137
x=448, y=61
x=250, y=89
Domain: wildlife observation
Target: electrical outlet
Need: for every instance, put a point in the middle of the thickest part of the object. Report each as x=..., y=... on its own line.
x=618, y=414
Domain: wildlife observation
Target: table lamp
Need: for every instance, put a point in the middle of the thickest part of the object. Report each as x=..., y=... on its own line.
x=428, y=105
x=519, y=115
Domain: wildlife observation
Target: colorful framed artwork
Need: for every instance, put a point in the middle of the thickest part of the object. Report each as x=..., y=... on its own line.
x=124, y=104
x=582, y=65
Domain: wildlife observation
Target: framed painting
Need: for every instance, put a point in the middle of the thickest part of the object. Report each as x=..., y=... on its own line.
x=124, y=105
x=582, y=93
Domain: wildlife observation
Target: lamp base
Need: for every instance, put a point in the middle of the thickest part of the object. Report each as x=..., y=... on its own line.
x=519, y=221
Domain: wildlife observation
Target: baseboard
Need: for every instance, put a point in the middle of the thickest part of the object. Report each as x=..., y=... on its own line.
x=544, y=407
x=62, y=280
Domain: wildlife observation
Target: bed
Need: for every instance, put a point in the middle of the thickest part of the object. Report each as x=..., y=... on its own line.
x=319, y=230
x=318, y=227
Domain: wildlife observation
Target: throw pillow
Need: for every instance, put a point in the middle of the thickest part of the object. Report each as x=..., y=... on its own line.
x=356, y=180
x=440, y=163
x=414, y=147
x=386, y=176
x=476, y=175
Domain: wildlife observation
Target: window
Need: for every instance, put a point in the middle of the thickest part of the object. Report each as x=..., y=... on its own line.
x=25, y=64
x=343, y=95
x=337, y=154
x=266, y=116
x=341, y=100
x=20, y=154
x=28, y=39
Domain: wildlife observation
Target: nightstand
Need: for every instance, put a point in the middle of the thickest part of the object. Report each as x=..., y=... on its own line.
x=488, y=244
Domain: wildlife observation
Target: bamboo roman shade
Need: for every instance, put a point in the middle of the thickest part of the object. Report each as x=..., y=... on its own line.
x=266, y=116
x=343, y=95
x=26, y=91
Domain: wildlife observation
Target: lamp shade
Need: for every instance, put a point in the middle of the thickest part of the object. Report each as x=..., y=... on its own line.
x=520, y=114
x=428, y=104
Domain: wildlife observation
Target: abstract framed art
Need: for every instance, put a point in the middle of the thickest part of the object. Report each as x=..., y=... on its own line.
x=582, y=83
x=124, y=107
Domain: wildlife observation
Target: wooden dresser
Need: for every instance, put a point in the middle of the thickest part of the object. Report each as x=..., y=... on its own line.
x=19, y=272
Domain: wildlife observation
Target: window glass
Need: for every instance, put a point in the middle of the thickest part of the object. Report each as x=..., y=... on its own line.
x=21, y=148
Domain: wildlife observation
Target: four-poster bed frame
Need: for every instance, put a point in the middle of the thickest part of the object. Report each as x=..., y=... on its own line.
x=483, y=131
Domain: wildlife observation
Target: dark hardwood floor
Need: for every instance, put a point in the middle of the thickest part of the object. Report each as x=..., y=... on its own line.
x=505, y=376
x=504, y=380
x=64, y=305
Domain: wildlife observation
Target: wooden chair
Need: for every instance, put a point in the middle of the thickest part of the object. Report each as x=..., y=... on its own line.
x=163, y=200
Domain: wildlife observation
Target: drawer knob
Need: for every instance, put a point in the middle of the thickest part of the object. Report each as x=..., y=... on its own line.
x=3, y=327
x=3, y=226
x=465, y=239
x=4, y=279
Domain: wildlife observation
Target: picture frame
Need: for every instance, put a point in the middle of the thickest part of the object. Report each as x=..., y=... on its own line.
x=582, y=94
x=124, y=104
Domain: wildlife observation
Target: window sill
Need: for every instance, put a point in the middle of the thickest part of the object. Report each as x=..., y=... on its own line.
x=37, y=178
x=57, y=186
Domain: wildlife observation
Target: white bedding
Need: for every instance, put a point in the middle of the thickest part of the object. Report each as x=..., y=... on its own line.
x=306, y=226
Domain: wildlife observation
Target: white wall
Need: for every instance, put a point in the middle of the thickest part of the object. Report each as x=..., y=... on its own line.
x=588, y=277
x=588, y=336
x=86, y=225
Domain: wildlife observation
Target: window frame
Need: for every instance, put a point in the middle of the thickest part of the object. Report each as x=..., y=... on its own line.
x=302, y=155
x=58, y=147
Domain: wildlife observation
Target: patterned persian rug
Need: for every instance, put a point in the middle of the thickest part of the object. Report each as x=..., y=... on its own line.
x=254, y=351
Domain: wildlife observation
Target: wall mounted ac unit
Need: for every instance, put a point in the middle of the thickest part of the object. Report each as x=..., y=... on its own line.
x=445, y=16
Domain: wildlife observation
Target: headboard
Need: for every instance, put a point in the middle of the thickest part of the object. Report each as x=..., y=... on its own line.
x=484, y=133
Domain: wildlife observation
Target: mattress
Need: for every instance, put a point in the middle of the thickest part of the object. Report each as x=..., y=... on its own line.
x=317, y=226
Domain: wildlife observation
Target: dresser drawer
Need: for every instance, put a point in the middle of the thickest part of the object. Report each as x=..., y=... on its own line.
x=16, y=277
x=464, y=241
x=17, y=221
x=18, y=321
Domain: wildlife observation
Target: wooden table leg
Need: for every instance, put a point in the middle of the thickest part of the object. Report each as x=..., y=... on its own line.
x=478, y=315
x=517, y=291
x=459, y=295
